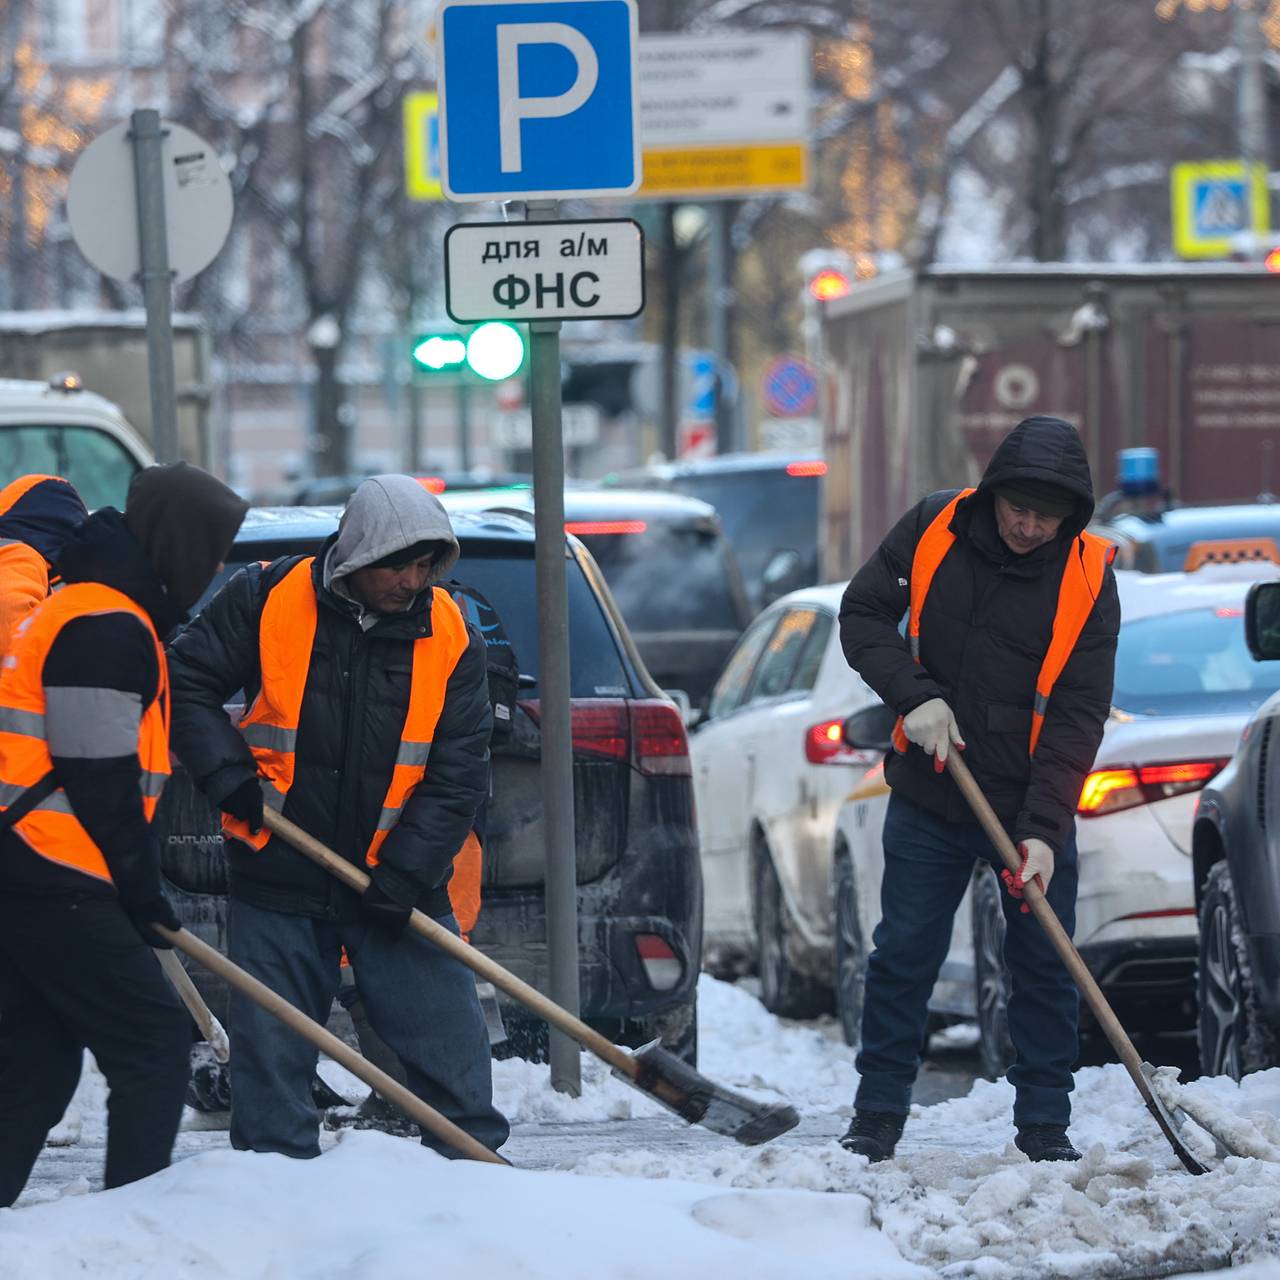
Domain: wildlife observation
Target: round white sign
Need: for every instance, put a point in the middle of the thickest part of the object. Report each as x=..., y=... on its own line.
x=102, y=204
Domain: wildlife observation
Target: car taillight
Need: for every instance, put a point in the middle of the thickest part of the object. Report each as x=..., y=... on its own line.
x=648, y=734
x=598, y=528
x=824, y=744
x=816, y=468
x=1110, y=790
x=659, y=743
x=661, y=965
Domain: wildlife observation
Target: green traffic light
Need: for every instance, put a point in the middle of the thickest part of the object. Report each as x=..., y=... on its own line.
x=495, y=350
x=440, y=351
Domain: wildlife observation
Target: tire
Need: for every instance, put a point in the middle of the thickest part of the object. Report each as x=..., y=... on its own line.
x=850, y=950
x=783, y=989
x=991, y=977
x=1234, y=1039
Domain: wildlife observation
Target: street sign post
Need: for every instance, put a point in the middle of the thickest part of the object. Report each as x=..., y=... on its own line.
x=538, y=103
x=724, y=116
x=592, y=270
x=1215, y=203
x=148, y=201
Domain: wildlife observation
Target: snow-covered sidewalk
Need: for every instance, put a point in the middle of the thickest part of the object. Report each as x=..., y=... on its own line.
x=959, y=1200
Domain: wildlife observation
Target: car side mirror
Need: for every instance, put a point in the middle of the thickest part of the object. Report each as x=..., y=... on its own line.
x=871, y=728
x=1262, y=621
x=783, y=573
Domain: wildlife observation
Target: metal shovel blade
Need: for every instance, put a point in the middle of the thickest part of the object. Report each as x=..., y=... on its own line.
x=1176, y=1119
x=685, y=1091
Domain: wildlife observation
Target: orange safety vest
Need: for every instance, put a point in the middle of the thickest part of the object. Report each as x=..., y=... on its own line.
x=51, y=828
x=1081, y=582
x=286, y=636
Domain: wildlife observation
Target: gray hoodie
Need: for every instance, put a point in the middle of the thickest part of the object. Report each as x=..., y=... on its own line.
x=387, y=514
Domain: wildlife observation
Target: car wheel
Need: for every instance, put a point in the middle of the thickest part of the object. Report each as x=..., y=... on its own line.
x=783, y=989
x=1234, y=1040
x=995, y=1049
x=850, y=950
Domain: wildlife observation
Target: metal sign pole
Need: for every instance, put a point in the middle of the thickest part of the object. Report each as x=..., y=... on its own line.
x=156, y=278
x=553, y=682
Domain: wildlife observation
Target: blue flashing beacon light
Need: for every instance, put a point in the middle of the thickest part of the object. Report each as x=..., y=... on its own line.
x=1138, y=472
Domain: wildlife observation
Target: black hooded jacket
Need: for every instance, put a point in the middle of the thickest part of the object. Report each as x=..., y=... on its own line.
x=100, y=661
x=353, y=712
x=986, y=626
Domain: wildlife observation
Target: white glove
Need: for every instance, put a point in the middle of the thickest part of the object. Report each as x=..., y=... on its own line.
x=1037, y=860
x=932, y=726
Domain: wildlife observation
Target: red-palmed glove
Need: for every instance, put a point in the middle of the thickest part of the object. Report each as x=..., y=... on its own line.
x=1037, y=860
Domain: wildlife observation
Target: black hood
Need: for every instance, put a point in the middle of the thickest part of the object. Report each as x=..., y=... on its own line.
x=1048, y=449
x=43, y=515
x=103, y=550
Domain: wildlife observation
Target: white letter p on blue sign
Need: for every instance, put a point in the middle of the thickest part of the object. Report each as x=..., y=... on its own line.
x=538, y=99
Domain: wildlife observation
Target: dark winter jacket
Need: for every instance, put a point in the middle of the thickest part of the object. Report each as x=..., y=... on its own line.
x=985, y=629
x=353, y=711
x=100, y=675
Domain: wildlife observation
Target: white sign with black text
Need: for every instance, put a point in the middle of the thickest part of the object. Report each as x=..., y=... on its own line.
x=591, y=270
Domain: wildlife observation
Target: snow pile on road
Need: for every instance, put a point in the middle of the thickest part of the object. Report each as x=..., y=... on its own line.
x=380, y=1206
x=961, y=1199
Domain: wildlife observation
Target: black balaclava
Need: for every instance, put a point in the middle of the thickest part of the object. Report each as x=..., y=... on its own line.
x=185, y=519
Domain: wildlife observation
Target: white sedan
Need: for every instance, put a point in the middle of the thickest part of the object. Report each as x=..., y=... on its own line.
x=1185, y=688
x=770, y=770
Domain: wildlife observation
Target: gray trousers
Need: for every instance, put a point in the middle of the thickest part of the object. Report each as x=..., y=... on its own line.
x=421, y=1001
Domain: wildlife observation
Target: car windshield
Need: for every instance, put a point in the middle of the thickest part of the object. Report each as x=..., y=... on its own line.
x=665, y=578
x=504, y=575
x=1193, y=662
x=762, y=511
x=94, y=461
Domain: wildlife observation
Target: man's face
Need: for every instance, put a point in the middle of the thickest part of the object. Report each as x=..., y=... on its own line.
x=391, y=590
x=1022, y=529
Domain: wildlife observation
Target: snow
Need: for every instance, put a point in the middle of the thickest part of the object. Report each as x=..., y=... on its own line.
x=958, y=1200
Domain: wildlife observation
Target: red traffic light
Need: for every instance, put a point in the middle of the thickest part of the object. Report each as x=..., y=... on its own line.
x=829, y=284
x=1272, y=260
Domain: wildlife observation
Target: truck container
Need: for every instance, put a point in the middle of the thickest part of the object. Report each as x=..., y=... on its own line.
x=930, y=369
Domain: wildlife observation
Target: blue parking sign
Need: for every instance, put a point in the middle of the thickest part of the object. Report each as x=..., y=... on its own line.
x=538, y=99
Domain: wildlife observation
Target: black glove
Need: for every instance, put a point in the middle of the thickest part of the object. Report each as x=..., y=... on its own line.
x=149, y=911
x=245, y=803
x=380, y=908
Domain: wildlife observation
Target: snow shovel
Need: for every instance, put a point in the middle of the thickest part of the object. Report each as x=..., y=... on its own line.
x=428, y=1117
x=653, y=1070
x=210, y=1027
x=1139, y=1071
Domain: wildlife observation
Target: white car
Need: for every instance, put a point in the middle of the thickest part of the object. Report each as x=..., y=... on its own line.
x=1185, y=688
x=770, y=770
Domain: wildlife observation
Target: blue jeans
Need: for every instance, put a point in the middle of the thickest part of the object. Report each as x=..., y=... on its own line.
x=421, y=1001
x=928, y=862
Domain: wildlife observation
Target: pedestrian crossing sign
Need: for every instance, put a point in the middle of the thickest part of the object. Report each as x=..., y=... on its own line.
x=1216, y=202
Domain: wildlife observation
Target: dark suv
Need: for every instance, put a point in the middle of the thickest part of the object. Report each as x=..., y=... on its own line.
x=639, y=878
x=1236, y=860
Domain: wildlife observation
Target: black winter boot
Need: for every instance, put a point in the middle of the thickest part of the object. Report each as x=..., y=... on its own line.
x=873, y=1134
x=1044, y=1142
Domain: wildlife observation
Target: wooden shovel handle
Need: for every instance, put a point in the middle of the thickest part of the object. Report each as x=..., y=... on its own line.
x=476, y=961
x=296, y=1020
x=210, y=1027
x=1033, y=895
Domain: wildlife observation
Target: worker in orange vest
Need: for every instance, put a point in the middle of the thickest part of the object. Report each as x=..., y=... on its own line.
x=37, y=514
x=1009, y=655
x=367, y=722
x=84, y=755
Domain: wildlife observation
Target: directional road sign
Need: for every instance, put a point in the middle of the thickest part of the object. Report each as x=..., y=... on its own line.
x=422, y=146
x=538, y=99
x=1216, y=202
x=591, y=270
x=724, y=115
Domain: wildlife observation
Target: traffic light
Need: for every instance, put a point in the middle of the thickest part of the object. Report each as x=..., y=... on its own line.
x=440, y=352
x=493, y=351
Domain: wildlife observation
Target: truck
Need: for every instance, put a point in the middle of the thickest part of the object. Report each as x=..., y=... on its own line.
x=928, y=369
x=106, y=351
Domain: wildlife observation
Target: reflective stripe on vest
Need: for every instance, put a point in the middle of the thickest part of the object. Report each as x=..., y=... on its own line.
x=286, y=637
x=1082, y=577
x=51, y=828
